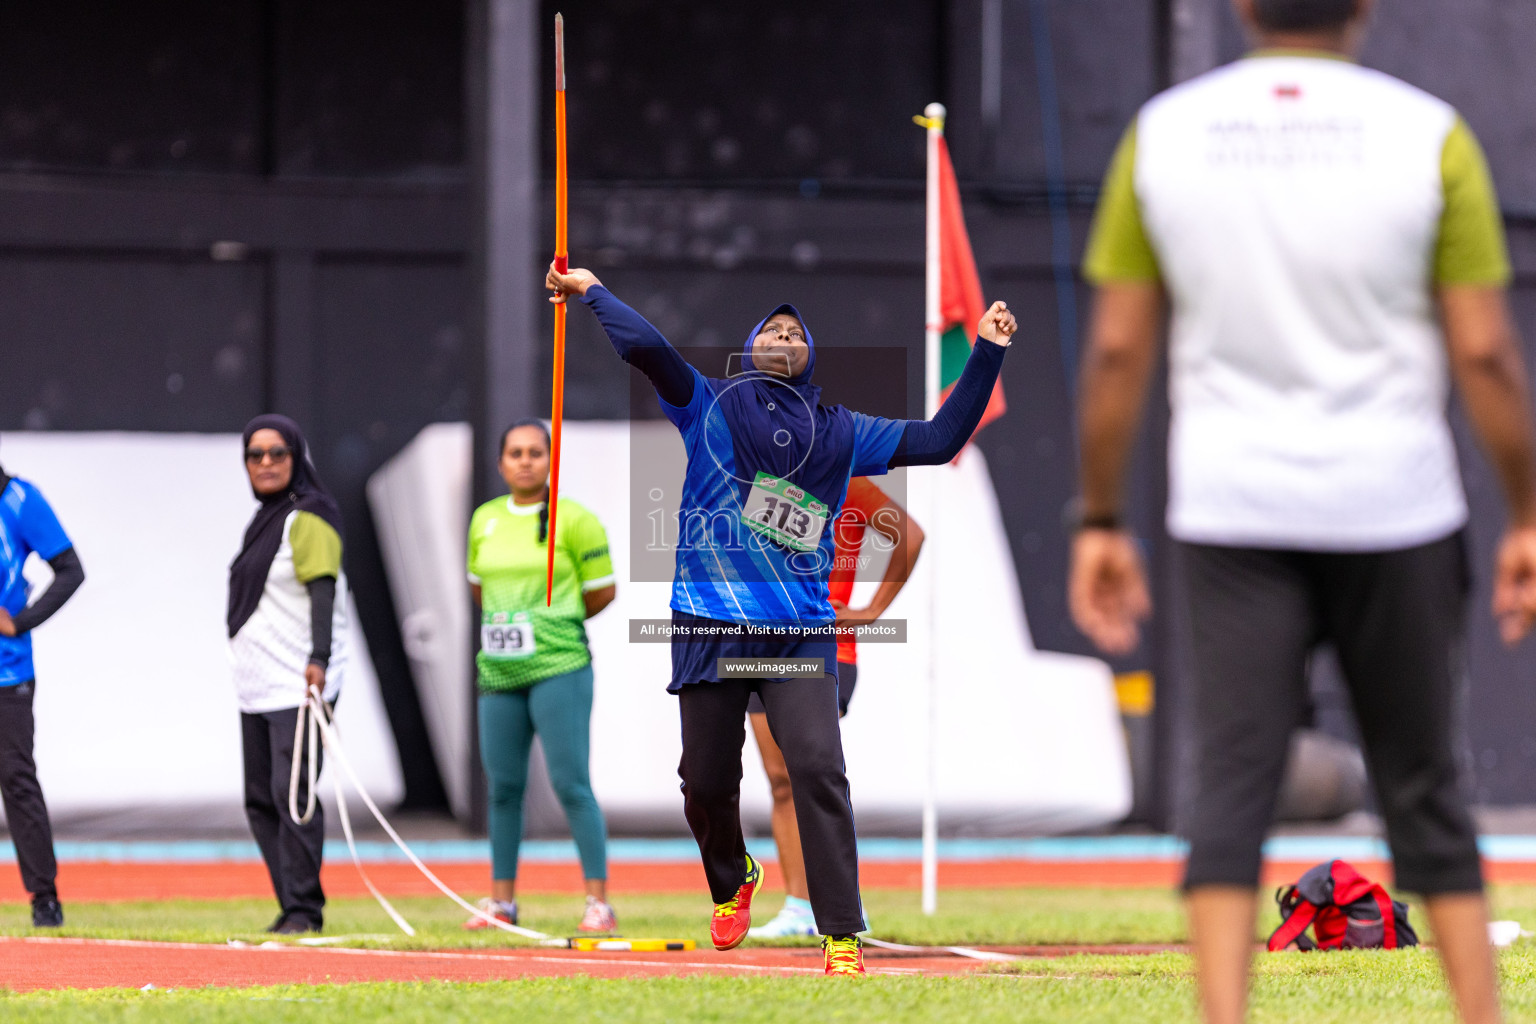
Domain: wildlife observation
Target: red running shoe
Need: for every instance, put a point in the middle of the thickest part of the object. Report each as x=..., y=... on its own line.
x=733, y=917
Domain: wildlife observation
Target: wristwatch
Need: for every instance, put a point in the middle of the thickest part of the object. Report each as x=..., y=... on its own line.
x=1076, y=520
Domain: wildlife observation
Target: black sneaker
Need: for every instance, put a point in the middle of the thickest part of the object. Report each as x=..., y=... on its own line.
x=46, y=912
x=293, y=925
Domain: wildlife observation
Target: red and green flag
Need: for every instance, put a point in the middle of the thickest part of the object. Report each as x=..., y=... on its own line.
x=960, y=301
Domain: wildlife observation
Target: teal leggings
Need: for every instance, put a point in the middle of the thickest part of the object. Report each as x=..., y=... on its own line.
x=559, y=710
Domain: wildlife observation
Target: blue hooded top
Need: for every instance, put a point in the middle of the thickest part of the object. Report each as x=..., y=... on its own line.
x=733, y=429
x=736, y=428
x=761, y=423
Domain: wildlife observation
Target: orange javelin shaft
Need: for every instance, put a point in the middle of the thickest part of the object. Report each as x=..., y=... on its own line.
x=562, y=261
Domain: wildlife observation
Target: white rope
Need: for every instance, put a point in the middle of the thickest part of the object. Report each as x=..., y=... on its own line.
x=319, y=718
x=966, y=951
x=319, y=713
x=314, y=764
x=314, y=711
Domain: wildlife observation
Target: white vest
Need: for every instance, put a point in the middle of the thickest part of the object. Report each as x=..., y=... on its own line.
x=1294, y=205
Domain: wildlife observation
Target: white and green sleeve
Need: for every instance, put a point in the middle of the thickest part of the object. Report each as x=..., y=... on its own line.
x=316, y=547
x=1470, y=248
x=1118, y=248
x=317, y=565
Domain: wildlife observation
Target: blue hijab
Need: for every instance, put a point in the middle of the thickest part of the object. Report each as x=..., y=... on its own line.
x=780, y=427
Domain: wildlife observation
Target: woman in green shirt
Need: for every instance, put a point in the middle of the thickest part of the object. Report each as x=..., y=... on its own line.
x=535, y=670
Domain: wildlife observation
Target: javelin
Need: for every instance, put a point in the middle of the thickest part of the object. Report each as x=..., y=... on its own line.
x=562, y=264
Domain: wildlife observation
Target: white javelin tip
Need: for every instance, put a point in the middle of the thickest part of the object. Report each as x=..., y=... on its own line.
x=935, y=110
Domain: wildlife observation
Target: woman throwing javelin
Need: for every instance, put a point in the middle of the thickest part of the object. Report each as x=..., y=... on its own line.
x=534, y=666
x=768, y=469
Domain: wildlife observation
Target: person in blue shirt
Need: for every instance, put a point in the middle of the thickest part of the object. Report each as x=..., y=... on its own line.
x=28, y=525
x=768, y=471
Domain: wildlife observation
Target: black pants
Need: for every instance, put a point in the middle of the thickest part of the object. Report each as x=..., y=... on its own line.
x=292, y=852
x=802, y=715
x=1396, y=620
x=847, y=680
x=25, y=812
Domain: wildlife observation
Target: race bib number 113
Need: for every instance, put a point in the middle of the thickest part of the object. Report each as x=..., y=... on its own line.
x=784, y=513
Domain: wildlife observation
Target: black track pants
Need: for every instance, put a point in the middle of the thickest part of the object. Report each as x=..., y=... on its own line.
x=802, y=715
x=292, y=852
x=26, y=814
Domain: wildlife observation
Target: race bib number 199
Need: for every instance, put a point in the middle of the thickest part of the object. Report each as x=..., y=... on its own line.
x=503, y=639
x=782, y=512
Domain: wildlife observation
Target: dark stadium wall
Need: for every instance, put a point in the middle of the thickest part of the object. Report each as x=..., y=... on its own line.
x=207, y=210
x=211, y=210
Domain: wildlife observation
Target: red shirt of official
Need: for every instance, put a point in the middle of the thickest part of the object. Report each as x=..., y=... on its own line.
x=863, y=501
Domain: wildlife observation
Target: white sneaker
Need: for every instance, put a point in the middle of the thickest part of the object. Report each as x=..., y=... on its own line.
x=598, y=918
x=505, y=912
x=790, y=922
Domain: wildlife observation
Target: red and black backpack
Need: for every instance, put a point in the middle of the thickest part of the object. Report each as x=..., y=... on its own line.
x=1344, y=909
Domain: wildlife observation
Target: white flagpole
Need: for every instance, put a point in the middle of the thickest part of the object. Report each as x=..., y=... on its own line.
x=934, y=113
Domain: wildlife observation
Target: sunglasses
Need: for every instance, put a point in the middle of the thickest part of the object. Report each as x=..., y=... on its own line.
x=277, y=453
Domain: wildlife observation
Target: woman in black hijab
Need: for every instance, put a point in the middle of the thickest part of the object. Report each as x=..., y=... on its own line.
x=287, y=633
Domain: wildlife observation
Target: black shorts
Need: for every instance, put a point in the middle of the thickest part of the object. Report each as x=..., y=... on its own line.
x=696, y=652
x=847, y=679
x=1396, y=620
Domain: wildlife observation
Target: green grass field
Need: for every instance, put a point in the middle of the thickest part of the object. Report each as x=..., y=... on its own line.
x=1342, y=988
x=1366, y=987
x=1003, y=917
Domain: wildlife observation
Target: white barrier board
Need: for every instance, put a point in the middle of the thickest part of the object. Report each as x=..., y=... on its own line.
x=1028, y=741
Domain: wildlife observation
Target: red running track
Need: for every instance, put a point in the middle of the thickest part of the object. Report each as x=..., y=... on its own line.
x=30, y=964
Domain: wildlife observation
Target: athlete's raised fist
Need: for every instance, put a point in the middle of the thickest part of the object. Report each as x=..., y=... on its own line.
x=997, y=324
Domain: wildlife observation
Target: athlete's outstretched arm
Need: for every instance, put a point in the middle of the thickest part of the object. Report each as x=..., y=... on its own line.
x=632, y=336
x=936, y=441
